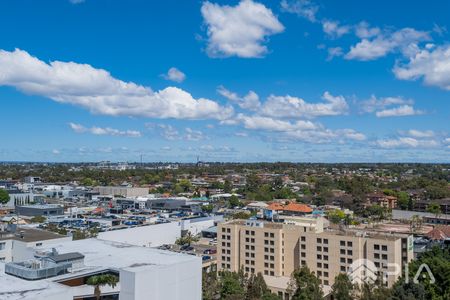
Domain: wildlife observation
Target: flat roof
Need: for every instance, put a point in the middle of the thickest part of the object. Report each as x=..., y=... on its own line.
x=99, y=255
x=30, y=235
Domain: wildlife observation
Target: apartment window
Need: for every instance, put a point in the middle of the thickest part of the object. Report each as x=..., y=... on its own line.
x=302, y=238
x=319, y=256
x=266, y=265
x=325, y=274
x=319, y=240
x=343, y=269
x=272, y=243
x=266, y=249
x=319, y=265
x=252, y=262
x=272, y=234
x=377, y=264
x=272, y=257
x=377, y=255
x=247, y=240
x=247, y=232
x=342, y=251
x=319, y=273
x=303, y=262
x=223, y=229
x=384, y=256
x=252, y=247
x=228, y=230
x=247, y=262
x=350, y=261
x=266, y=272
x=228, y=258
x=325, y=249
x=272, y=250
x=266, y=234
x=272, y=273
x=272, y=266
x=2, y=245
x=266, y=242
x=223, y=251
x=247, y=247
x=247, y=254
x=247, y=269
x=342, y=243
x=228, y=251
x=223, y=244
x=266, y=257
x=325, y=257
x=325, y=241
x=342, y=259
x=350, y=252
x=223, y=266
x=224, y=237
x=224, y=258
x=252, y=240
x=252, y=232
x=303, y=246
x=325, y=282
x=325, y=266
x=376, y=247
x=303, y=254
x=319, y=248
x=384, y=248
x=350, y=244
x=252, y=255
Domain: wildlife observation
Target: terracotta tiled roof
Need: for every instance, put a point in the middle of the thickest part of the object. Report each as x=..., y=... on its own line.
x=298, y=207
x=275, y=206
x=439, y=233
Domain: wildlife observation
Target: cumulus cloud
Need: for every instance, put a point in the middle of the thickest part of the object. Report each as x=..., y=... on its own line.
x=303, y=8
x=406, y=142
x=240, y=30
x=431, y=65
x=174, y=75
x=78, y=128
x=376, y=45
x=373, y=103
x=305, y=131
x=401, y=111
x=249, y=101
x=96, y=90
x=171, y=133
x=334, y=30
x=364, y=31
x=334, y=52
x=418, y=133
x=293, y=107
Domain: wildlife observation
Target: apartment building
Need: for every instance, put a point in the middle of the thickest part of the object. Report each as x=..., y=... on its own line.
x=276, y=249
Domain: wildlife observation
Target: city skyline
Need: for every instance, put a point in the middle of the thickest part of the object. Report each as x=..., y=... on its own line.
x=232, y=81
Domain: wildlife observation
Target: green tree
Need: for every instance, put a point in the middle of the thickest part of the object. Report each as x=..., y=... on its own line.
x=342, y=288
x=208, y=208
x=403, y=200
x=241, y=215
x=256, y=287
x=38, y=219
x=227, y=186
x=434, y=208
x=188, y=239
x=233, y=201
x=4, y=196
x=231, y=286
x=335, y=216
x=101, y=280
x=307, y=285
x=210, y=286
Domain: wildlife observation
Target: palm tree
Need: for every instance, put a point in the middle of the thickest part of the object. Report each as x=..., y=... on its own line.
x=101, y=280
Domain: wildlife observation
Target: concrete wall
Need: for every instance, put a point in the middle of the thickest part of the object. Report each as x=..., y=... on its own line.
x=146, y=236
x=181, y=281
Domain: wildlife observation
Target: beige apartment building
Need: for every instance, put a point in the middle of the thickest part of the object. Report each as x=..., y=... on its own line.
x=276, y=249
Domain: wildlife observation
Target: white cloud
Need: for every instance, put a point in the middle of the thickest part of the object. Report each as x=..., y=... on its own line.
x=249, y=101
x=293, y=107
x=403, y=110
x=78, y=128
x=303, y=8
x=334, y=52
x=168, y=132
x=404, y=40
x=56, y=151
x=305, y=131
x=406, y=142
x=174, y=75
x=418, y=133
x=193, y=135
x=364, y=31
x=433, y=66
x=373, y=104
x=239, y=30
x=334, y=30
x=241, y=134
x=99, y=92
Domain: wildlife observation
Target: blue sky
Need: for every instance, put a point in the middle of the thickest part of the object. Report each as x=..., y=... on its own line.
x=289, y=80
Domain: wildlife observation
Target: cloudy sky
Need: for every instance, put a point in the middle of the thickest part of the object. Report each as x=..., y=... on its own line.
x=288, y=80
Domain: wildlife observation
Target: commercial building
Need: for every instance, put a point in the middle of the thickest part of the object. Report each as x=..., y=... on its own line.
x=127, y=192
x=45, y=210
x=61, y=273
x=276, y=249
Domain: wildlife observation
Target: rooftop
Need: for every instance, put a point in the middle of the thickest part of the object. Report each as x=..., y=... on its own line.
x=29, y=235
